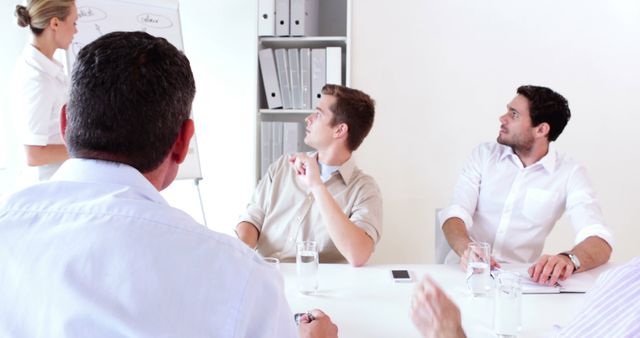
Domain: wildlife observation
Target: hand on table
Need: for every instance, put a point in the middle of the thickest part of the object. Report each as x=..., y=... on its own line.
x=549, y=269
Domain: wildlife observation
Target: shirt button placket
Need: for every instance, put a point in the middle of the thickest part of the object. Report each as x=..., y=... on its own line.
x=505, y=218
x=294, y=232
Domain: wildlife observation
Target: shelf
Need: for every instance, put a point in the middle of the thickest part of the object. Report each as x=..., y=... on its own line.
x=303, y=42
x=286, y=111
x=279, y=129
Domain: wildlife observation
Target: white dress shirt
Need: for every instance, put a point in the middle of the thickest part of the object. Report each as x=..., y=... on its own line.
x=40, y=89
x=514, y=208
x=97, y=252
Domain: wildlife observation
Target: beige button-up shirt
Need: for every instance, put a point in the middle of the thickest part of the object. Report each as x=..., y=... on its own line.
x=284, y=212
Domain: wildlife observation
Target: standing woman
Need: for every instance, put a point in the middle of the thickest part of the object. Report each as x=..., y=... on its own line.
x=40, y=84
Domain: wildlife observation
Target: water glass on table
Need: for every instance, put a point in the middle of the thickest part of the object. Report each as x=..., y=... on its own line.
x=478, y=268
x=307, y=267
x=508, y=305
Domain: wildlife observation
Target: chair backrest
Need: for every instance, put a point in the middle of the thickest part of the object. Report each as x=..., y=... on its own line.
x=442, y=246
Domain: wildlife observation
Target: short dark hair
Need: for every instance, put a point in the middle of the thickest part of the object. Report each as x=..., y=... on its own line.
x=130, y=95
x=545, y=105
x=355, y=109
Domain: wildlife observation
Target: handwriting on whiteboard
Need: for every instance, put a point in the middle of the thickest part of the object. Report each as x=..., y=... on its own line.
x=90, y=14
x=154, y=20
x=151, y=20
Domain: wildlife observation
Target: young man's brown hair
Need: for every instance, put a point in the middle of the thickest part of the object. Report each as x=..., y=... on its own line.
x=353, y=108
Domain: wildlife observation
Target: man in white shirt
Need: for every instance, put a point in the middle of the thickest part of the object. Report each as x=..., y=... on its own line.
x=511, y=193
x=97, y=252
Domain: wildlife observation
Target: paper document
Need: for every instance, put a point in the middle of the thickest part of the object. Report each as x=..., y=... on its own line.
x=578, y=283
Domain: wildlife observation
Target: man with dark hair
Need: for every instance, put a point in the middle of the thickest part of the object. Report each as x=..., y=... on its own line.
x=545, y=105
x=320, y=196
x=97, y=252
x=511, y=193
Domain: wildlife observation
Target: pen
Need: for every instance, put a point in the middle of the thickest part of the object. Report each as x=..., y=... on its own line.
x=298, y=317
x=495, y=272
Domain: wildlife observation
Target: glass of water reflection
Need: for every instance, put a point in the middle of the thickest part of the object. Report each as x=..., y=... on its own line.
x=307, y=267
x=508, y=305
x=478, y=268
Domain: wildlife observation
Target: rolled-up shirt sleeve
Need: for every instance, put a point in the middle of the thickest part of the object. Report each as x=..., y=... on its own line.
x=367, y=211
x=255, y=211
x=583, y=209
x=465, y=195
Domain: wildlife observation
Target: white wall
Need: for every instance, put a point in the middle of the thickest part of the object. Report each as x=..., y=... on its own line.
x=443, y=71
x=221, y=43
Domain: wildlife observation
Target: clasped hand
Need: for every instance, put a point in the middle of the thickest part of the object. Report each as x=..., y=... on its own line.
x=307, y=168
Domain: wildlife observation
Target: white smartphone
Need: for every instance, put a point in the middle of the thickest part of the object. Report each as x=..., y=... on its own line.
x=402, y=276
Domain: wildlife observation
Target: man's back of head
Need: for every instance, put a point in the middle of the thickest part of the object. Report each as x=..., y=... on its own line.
x=96, y=251
x=130, y=94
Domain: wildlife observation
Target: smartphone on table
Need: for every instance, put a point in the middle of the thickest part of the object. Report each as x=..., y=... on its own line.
x=402, y=276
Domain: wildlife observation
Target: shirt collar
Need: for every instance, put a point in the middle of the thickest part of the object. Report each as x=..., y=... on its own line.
x=105, y=172
x=36, y=59
x=346, y=170
x=326, y=171
x=548, y=161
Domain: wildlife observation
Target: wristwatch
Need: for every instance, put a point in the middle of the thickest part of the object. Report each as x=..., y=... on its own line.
x=574, y=259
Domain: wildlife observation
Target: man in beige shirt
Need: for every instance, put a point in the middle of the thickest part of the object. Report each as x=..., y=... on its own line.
x=320, y=196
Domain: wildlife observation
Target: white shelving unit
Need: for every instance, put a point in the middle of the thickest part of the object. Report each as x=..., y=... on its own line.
x=334, y=19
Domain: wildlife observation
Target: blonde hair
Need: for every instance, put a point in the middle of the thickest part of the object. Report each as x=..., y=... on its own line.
x=37, y=13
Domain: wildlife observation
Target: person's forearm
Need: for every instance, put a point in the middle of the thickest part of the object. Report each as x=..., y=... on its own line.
x=248, y=233
x=42, y=155
x=456, y=234
x=354, y=243
x=592, y=252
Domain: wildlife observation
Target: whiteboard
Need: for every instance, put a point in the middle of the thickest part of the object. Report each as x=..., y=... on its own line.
x=159, y=18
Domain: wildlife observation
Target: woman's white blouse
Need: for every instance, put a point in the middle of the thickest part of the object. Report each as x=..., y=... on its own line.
x=40, y=89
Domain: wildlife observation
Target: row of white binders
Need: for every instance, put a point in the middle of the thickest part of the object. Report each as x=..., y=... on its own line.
x=279, y=138
x=293, y=78
x=288, y=17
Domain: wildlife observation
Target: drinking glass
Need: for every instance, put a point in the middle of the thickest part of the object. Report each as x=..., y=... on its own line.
x=478, y=268
x=307, y=267
x=508, y=305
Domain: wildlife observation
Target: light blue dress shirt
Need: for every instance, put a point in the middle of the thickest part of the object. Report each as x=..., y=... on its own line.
x=97, y=252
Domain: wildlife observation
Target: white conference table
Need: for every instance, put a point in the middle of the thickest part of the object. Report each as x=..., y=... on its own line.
x=366, y=302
